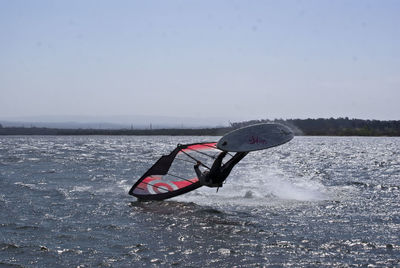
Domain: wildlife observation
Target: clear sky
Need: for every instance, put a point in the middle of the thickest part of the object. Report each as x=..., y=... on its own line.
x=232, y=59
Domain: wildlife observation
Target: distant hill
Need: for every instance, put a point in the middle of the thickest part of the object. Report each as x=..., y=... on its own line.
x=112, y=122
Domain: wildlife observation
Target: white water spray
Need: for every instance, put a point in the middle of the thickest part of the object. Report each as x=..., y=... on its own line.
x=273, y=183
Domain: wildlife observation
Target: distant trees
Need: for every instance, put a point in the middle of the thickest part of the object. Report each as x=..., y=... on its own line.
x=335, y=127
x=1, y=126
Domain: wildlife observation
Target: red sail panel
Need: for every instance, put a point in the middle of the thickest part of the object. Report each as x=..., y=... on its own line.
x=201, y=147
x=156, y=185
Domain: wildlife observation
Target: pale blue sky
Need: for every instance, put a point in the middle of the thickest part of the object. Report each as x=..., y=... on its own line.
x=231, y=59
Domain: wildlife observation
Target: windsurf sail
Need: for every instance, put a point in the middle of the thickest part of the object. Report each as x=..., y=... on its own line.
x=174, y=174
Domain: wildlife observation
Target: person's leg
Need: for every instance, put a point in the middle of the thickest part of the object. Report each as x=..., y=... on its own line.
x=234, y=160
x=215, y=168
x=228, y=166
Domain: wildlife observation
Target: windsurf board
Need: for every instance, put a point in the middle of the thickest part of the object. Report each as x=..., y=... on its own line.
x=255, y=137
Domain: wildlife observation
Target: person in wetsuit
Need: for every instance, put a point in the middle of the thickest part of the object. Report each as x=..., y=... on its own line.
x=218, y=172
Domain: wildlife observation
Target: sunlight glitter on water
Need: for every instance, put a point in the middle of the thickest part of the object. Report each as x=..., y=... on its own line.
x=316, y=201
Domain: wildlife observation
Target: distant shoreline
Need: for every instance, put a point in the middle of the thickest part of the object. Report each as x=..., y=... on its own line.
x=301, y=127
x=113, y=132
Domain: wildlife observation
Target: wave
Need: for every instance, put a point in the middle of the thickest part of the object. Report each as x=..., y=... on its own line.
x=382, y=187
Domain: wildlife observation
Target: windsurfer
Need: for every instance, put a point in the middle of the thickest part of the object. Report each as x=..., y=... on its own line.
x=218, y=171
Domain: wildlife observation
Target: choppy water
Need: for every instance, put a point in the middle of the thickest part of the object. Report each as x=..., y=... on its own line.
x=316, y=201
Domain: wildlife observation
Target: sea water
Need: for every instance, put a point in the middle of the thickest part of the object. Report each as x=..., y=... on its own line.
x=315, y=201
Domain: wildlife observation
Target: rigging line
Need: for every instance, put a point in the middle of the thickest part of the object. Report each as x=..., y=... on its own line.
x=212, y=157
x=229, y=153
x=203, y=153
x=206, y=145
x=215, y=147
x=185, y=160
x=140, y=188
x=176, y=176
x=194, y=158
x=211, y=146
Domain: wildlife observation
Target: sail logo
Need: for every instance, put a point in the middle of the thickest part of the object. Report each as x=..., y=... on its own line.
x=257, y=140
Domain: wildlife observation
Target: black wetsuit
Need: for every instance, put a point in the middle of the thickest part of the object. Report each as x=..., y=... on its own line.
x=218, y=172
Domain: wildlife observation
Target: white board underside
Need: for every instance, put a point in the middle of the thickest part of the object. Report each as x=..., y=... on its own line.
x=255, y=137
